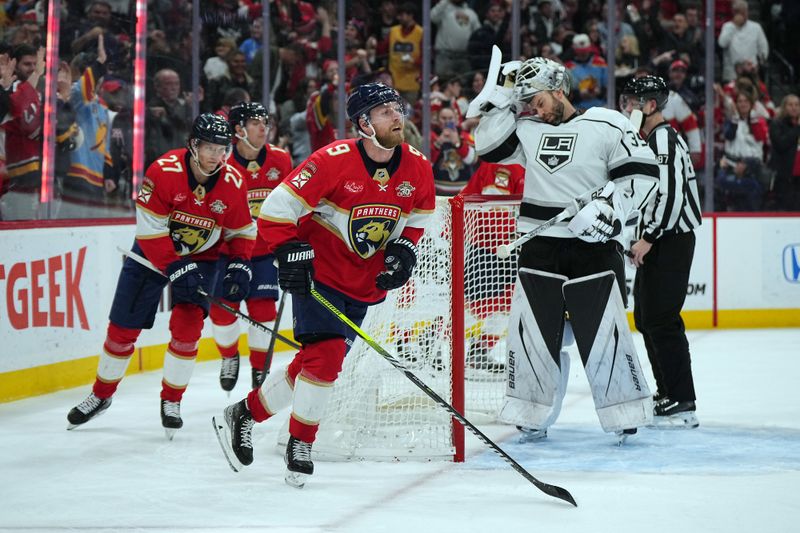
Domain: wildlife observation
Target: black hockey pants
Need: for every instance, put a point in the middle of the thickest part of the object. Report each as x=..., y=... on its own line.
x=659, y=292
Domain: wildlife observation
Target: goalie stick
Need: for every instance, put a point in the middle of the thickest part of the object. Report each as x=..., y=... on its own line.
x=550, y=490
x=145, y=263
x=504, y=250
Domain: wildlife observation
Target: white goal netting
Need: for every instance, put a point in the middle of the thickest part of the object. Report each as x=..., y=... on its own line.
x=376, y=412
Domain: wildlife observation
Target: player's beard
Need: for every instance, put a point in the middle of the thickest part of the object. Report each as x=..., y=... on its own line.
x=390, y=139
x=556, y=116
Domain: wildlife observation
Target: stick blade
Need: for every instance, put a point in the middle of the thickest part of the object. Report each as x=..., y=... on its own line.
x=560, y=493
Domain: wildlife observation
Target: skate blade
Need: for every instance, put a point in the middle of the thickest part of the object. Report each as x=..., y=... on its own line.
x=224, y=439
x=678, y=421
x=295, y=479
x=170, y=433
x=526, y=438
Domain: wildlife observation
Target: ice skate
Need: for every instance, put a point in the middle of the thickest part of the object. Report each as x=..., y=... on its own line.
x=531, y=435
x=171, y=417
x=670, y=414
x=229, y=373
x=624, y=435
x=89, y=408
x=234, y=431
x=298, y=462
x=257, y=377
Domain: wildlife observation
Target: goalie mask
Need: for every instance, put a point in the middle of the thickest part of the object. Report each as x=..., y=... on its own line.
x=540, y=74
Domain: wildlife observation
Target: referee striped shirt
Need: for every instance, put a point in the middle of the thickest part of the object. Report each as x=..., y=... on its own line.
x=675, y=206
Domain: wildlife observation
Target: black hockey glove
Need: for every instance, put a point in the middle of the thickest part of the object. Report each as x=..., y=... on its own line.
x=295, y=268
x=236, y=283
x=400, y=260
x=185, y=278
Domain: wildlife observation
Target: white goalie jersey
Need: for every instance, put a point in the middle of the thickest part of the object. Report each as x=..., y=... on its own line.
x=563, y=162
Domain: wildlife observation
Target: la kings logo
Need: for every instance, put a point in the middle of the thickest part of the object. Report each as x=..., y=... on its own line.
x=555, y=150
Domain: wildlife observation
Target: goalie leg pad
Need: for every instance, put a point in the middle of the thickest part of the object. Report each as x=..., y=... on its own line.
x=597, y=315
x=535, y=381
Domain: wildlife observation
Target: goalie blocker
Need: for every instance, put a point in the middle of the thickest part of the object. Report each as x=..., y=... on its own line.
x=538, y=368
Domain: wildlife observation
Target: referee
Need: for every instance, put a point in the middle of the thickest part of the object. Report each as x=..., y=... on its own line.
x=663, y=256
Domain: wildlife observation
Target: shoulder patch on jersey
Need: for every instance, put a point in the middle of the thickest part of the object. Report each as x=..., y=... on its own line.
x=555, y=150
x=145, y=191
x=302, y=177
x=370, y=226
x=502, y=177
x=273, y=174
x=218, y=207
x=405, y=189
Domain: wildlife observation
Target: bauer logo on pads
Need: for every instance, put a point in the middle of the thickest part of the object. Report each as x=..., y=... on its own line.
x=555, y=151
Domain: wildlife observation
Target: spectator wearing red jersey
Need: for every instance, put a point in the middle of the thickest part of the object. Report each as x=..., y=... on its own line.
x=23, y=127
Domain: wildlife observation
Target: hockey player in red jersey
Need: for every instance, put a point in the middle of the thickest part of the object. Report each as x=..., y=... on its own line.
x=263, y=167
x=190, y=202
x=490, y=302
x=345, y=222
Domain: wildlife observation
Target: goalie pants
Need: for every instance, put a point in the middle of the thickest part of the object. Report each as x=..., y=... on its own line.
x=659, y=293
x=574, y=258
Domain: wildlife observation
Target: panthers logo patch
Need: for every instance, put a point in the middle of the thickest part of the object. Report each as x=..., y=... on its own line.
x=256, y=197
x=189, y=232
x=370, y=227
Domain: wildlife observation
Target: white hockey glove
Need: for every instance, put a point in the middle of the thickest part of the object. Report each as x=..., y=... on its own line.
x=596, y=222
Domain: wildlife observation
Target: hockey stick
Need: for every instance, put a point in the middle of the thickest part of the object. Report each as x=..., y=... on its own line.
x=551, y=490
x=213, y=299
x=504, y=250
x=271, y=349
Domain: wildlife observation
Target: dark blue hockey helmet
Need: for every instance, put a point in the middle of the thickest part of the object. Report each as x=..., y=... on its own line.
x=244, y=111
x=646, y=88
x=368, y=96
x=212, y=128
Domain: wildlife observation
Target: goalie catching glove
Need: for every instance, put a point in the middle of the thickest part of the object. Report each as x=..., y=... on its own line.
x=295, y=268
x=596, y=222
x=236, y=283
x=400, y=259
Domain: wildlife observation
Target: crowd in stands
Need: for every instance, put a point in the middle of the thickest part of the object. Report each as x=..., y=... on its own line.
x=756, y=140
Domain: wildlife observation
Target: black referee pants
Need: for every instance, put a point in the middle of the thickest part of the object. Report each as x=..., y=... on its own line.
x=659, y=292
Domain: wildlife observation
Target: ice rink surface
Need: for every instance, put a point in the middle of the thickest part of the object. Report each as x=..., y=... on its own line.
x=739, y=472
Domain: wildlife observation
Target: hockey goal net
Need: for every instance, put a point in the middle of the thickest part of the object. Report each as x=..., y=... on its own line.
x=447, y=325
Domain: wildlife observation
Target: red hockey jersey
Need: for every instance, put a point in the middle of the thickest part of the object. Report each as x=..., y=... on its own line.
x=176, y=216
x=348, y=207
x=23, y=125
x=261, y=176
x=495, y=179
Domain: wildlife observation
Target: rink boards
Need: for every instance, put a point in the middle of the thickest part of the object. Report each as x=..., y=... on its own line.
x=57, y=283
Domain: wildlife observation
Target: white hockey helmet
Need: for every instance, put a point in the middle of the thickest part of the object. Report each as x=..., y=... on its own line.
x=540, y=74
